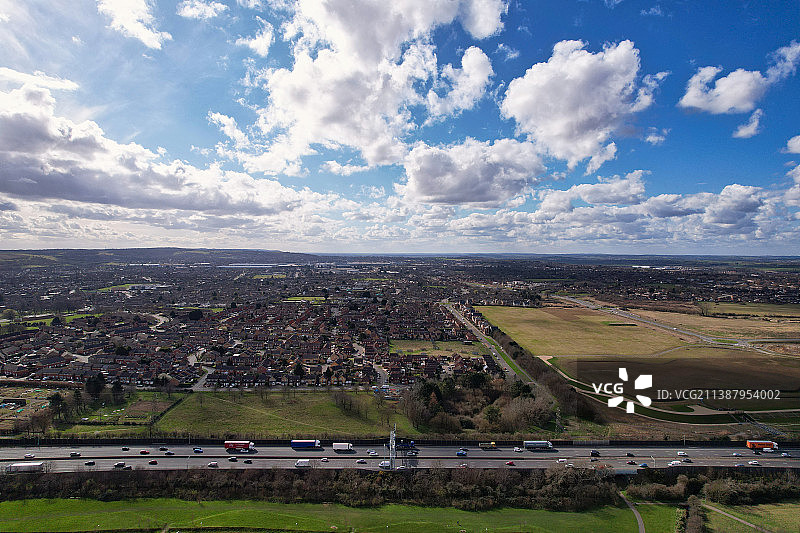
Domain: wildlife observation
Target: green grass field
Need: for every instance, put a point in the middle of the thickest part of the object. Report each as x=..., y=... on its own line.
x=576, y=331
x=171, y=514
x=658, y=518
x=778, y=517
x=438, y=348
x=278, y=415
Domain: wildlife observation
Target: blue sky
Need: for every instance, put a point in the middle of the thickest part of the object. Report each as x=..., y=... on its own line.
x=614, y=126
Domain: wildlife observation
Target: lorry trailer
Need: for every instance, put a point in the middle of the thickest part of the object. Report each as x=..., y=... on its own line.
x=305, y=443
x=537, y=444
x=342, y=447
x=240, y=446
x=25, y=467
x=761, y=444
x=487, y=445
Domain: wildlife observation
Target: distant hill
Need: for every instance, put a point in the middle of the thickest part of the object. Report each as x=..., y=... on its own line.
x=13, y=259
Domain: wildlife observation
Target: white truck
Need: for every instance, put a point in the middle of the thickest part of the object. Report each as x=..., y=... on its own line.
x=25, y=467
x=342, y=447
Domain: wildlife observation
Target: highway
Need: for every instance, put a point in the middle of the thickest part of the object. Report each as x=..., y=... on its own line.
x=57, y=459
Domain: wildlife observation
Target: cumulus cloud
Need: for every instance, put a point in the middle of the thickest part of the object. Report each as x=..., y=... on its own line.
x=261, y=41
x=44, y=156
x=508, y=52
x=38, y=78
x=198, y=9
x=793, y=145
x=334, y=167
x=739, y=91
x=227, y=125
x=616, y=190
x=473, y=172
x=572, y=104
x=751, y=127
x=656, y=136
x=134, y=18
x=468, y=84
x=481, y=18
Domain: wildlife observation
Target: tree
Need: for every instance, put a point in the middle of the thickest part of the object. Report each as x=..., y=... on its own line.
x=56, y=321
x=95, y=386
x=77, y=397
x=195, y=314
x=117, y=392
x=58, y=405
x=41, y=420
x=299, y=371
x=492, y=414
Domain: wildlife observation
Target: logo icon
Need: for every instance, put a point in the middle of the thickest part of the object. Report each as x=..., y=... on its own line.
x=645, y=381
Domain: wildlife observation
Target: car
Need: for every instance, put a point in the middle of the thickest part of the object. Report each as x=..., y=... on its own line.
x=144, y=452
x=248, y=461
x=152, y=462
x=324, y=460
x=509, y=463
x=786, y=454
x=125, y=448
x=163, y=449
x=401, y=467
x=674, y=463
x=736, y=454
x=89, y=463
x=373, y=452
x=753, y=463
x=213, y=464
x=739, y=464
x=687, y=460
x=682, y=454
x=569, y=465
x=629, y=454
x=119, y=464
x=644, y=465
x=169, y=452
x=464, y=449
x=412, y=453
x=461, y=453
x=463, y=465
x=74, y=454
x=593, y=459
x=232, y=459
x=361, y=462
x=631, y=462
x=517, y=449
x=594, y=453
x=767, y=450
x=197, y=450
x=127, y=467
x=29, y=456
x=561, y=460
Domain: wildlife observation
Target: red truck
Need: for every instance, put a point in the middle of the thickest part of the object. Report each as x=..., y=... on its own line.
x=240, y=446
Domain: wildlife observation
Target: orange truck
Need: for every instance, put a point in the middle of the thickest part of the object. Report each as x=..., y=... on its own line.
x=761, y=444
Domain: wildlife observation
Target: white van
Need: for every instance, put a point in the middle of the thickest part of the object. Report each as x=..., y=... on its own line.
x=303, y=463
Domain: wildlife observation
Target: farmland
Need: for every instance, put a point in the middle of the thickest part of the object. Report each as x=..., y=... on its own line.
x=734, y=327
x=577, y=331
x=699, y=368
x=86, y=515
x=279, y=415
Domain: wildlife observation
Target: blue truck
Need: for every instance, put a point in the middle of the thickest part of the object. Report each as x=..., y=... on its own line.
x=307, y=443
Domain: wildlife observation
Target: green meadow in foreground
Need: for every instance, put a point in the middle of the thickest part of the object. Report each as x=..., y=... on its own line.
x=76, y=515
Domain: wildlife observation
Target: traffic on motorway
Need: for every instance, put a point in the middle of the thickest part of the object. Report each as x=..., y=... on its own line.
x=310, y=454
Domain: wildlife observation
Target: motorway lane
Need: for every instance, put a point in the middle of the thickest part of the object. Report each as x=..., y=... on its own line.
x=429, y=456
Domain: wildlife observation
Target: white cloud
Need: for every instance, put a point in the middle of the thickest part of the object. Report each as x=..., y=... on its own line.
x=617, y=190
x=571, y=104
x=134, y=18
x=335, y=167
x=508, y=52
x=739, y=91
x=44, y=156
x=262, y=40
x=793, y=145
x=481, y=18
x=468, y=84
x=228, y=126
x=39, y=79
x=654, y=11
x=201, y=10
x=749, y=128
x=655, y=136
x=4, y=18
x=473, y=172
